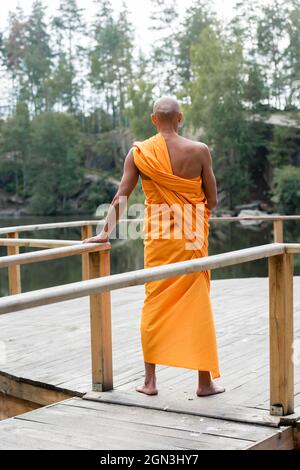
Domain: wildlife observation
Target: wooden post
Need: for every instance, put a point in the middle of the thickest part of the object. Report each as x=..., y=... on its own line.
x=86, y=232
x=281, y=334
x=14, y=272
x=101, y=334
x=278, y=231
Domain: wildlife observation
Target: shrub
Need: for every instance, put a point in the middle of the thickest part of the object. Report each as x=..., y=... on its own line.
x=286, y=190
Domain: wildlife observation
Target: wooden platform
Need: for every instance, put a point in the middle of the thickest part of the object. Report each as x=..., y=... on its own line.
x=48, y=353
x=82, y=424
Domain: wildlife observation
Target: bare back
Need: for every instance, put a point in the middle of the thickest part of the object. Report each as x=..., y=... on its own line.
x=186, y=156
x=189, y=160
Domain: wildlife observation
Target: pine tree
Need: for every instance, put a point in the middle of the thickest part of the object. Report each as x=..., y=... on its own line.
x=68, y=26
x=37, y=58
x=111, y=59
x=164, y=19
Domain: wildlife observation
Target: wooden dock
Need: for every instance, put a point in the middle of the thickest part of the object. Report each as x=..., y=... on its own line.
x=48, y=360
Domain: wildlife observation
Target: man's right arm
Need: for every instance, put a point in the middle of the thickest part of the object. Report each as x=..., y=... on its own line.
x=128, y=183
x=208, y=178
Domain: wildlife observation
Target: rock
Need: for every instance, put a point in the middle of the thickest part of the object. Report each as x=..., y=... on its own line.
x=16, y=200
x=251, y=213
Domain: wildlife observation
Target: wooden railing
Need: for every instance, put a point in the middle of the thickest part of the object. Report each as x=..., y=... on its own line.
x=100, y=284
x=13, y=243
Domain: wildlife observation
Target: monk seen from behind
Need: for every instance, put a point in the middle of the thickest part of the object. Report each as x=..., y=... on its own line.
x=177, y=325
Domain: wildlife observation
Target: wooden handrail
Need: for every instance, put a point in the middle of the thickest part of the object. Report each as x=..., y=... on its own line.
x=54, y=225
x=82, y=223
x=36, y=242
x=133, y=278
x=52, y=253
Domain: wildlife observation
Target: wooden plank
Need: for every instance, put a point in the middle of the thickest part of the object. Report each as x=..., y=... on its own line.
x=192, y=423
x=11, y=406
x=33, y=392
x=282, y=440
x=278, y=231
x=86, y=232
x=108, y=426
x=164, y=402
x=281, y=334
x=14, y=272
x=101, y=333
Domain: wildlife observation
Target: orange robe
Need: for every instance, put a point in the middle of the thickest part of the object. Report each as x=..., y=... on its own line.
x=177, y=326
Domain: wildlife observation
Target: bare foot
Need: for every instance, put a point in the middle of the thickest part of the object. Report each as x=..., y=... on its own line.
x=210, y=389
x=147, y=389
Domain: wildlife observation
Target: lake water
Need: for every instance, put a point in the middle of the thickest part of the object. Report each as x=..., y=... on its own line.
x=128, y=255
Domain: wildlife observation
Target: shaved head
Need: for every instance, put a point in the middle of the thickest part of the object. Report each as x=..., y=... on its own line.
x=166, y=112
x=166, y=105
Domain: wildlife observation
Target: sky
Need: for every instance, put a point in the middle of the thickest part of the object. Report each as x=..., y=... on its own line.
x=139, y=10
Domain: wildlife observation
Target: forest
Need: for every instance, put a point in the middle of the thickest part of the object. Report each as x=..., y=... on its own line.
x=76, y=94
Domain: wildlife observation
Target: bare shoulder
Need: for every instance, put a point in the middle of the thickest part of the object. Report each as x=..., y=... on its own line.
x=199, y=149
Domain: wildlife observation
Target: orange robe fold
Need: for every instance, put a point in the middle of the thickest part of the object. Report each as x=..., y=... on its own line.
x=177, y=326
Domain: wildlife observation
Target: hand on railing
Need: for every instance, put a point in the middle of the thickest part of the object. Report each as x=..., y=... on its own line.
x=97, y=239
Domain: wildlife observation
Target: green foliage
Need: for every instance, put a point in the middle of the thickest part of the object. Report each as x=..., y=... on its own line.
x=64, y=86
x=111, y=59
x=286, y=191
x=230, y=78
x=197, y=18
x=55, y=170
x=217, y=93
x=37, y=57
x=141, y=100
x=283, y=146
x=164, y=24
x=98, y=193
x=15, y=140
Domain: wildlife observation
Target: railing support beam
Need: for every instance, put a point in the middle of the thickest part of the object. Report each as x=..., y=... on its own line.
x=101, y=333
x=14, y=272
x=278, y=231
x=86, y=232
x=281, y=334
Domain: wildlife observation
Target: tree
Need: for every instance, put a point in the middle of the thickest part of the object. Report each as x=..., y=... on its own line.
x=111, y=59
x=163, y=59
x=68, y=26
x=286, y=189
x=15, y=148
x=141, y=98
x=55, y=163
x=13, y=51
x=283, y=146
x=271, y=29
x=293, y=54
x=243, y=27
x=37, y=58
x=197, y=18
x=217, y=104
